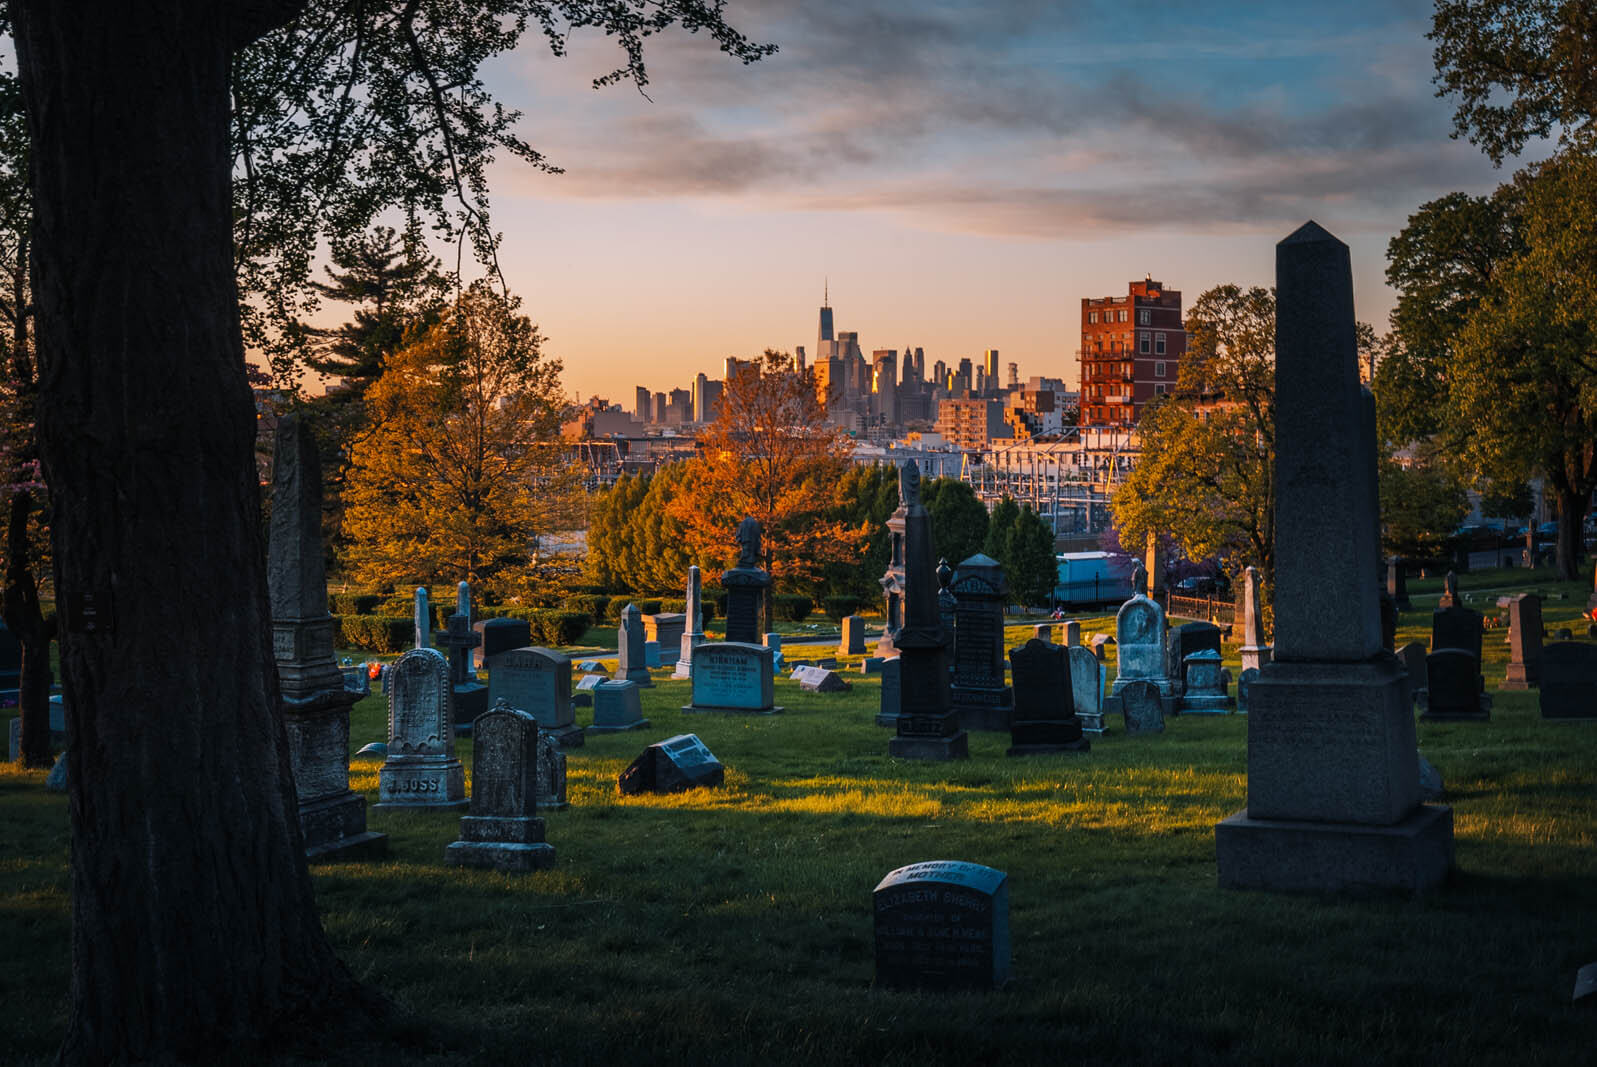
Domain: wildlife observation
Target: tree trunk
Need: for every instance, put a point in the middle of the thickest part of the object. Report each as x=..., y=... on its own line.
x=1571, y=522
x=25, y=619
x=194, y=930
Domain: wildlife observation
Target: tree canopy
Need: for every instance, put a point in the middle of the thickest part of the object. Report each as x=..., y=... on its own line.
x=959, y=520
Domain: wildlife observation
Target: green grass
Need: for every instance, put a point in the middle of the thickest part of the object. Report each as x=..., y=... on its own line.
x=734, y=925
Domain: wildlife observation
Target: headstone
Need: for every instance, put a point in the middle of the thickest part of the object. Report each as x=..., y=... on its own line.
x=1457, y=628
x=774, y=643
x=630, y=664
x=423, y=619
x=421, y=769
x=471, y=696
x=671, y=766
x=1181, y=642
x=537, y=681
x=1044, y=718
x=1245, y=682
x=1569, y=681
x=733, y=676
x=1453, y=687
x=1524, y=642
x=1140, y=640
x=1072, y=633
x=1099, y=643
x=1397, y=583
x=1413, y=657
x=617, y=706
x=312, y=695
x=941, y=925
x=1043, y=632
x=693, y=635
x=1205, y=693
x=928, y=727
x=503, y=831
x=1255, y=649
x=1449, y=597
x=892, y=581
x=892, y=693
x=651, y=654
x=820, y=680
x=375, y=750
x=981, y=699
x=1143, y=706
x=871, y=665
x=665, y=629
x=1333, y=797
x=585, y=665
x=745, y=587
x=852, y=642
x=1086, y=689
x=551, y=784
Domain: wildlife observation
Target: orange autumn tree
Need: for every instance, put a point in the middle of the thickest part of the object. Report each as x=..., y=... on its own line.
x=770, y=454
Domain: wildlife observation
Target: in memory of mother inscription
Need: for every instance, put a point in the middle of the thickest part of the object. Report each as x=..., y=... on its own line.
x=942, y=924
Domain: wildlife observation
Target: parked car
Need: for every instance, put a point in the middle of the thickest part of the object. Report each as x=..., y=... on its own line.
x=1197, y=586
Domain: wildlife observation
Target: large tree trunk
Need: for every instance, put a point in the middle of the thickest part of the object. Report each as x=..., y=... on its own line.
x=194, y=930
x=1571, y=520
x=25, y=619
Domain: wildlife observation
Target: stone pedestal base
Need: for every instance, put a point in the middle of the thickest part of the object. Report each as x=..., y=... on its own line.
x=695, y=708
x=500, y=856
x=635, y=724
x=984, y=709
x=1255, y=656
x=636, y=674
x=334, y=829
x=888, y=719
x=421, y=782
x=1522, y=676
x=1205, y=705
x=1413, y=855
x=1081, y=745
x=1092, y=724
x=932, y=748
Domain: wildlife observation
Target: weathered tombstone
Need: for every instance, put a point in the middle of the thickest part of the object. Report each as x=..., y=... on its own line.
x=821, y=680
x=1569, y=681
x=1453, y=687
x=671, y=766
x=1245, y=682
x=927, y=727
x=774, y=643
x=313, y=697
x=588, y=682
x=1143, y=706
x=617, y=706
x=981, y=698
x=582, y=665
x=892, y=581
x=1044, y=718
x=745, y=587
x=665, y=629
x=892, y=690
x=551, y=774
x=1205, y=693
x=630, y=665
x=693, y=636
x=1524, y=642
x=537, y=681
x=852, y=642
x=1181, y=642
x=1413, y=657
x=471, y=696
x=943, y=924
x=1457, y=627
x=1072, y=633
x=1333, y=797
x=1449, y=597
x=1255, y=650
x=1397, y=583
x=1140, y=640
x=1043, y=632
x=421, y=769
x=502, y=831
x=1086, y=689
x=502, y=635
x=1099, y=643
x=651, y=655
x=733, y=676
x=423, y=619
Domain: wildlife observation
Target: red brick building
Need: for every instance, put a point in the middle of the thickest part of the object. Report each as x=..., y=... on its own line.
x=1131, y=348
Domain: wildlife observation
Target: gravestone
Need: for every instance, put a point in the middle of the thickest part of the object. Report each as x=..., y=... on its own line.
x=1181, y=642
x=852, y=642
x=693, y=635
x=1086, y=689
x=941, y=925
x=733, y=676
x=500, y=635
x=745, y=587
x=892, y=580
x=312, y=695
x=423, y=619
x=617, y=706
x=1043, y=632
x=1524, y=642
x=665, y=629
x=1143, y=706
x=892, y=689
x=928, y=727
x=980, y=696
x=871, y=665
x=1397, y=583
x=1453, y=687
x=588, y=682
x=421, y=769
x=1413, y=657
x=1140, y=639
x=551, y=783
x=1245, y=682
x=774, y=643
x=1072, y=634
x=821, y=680
x=1333, y=794
x=537, y=681
x=630, y=664
x=1205, y=693
x=503, y=831
x=672, y=766
x=1449, y=597
x=1099, y=643
x=1044, y=718
x=1255, y=649
x=651, y=655
x=471, y=696
x=1569, y=680
x=1457, y=627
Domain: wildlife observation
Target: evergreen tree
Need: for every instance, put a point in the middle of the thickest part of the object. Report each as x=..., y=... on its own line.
x=1032, y=568
x=959, y=522
x=1001, y=533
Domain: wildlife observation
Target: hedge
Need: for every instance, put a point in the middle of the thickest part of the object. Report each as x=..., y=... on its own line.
x=375, y=633
x=551, y=627
x=619, y=604
x=792, y=607
x=353, y=603
x=594, y=605
x=837, y=607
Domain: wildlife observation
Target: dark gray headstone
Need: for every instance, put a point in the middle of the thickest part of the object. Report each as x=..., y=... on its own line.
x=1569, y=680
x=502, y=831
x=928, y=727
x=1044, y=718
x=1413, y=657
x=1143, y=708
x=672, y=766
x=1183, y=641
x=421, y=769
x=1453, y=686
x=1457, y=627
x=501, y=635
x=892, y=689
x=943, y=924
x=537, y=681
x=980, y=697
x=617, y=706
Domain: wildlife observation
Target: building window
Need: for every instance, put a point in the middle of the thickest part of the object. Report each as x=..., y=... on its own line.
x=1144, y=317
x=1158, y=370
x=1122, y=314
x=1092, y=316
x=1142, y=343
x=1158, y=388
x=1158, y=344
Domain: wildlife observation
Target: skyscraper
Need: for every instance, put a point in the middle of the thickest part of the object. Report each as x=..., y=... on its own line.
x=990, y=364
x=642, y=405
x=824, y=337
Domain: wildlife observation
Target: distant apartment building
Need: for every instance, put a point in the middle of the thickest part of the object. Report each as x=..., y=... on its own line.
x=1131, y=349
x=970, y=422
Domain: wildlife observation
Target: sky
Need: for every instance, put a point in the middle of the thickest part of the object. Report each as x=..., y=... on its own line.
x=958, y=175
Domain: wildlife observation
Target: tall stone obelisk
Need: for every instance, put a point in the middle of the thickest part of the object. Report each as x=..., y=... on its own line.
x=1333, y=795
x=314, y=699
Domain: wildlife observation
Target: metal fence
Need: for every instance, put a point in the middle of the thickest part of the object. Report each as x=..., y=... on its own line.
x=1219, y=612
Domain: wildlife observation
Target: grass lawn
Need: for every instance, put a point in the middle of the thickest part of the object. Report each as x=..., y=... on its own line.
x=734, y=925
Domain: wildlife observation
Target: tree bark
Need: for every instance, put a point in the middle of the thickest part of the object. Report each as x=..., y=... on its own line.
x=194, y=929
x=25, y=619
x=1571, y=523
